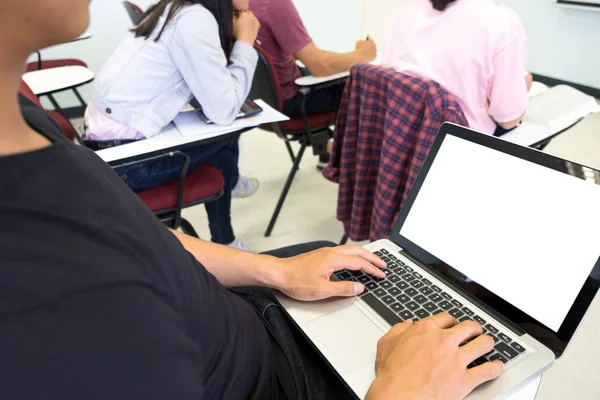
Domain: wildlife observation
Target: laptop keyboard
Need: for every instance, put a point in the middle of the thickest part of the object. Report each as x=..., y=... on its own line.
x=405, y=294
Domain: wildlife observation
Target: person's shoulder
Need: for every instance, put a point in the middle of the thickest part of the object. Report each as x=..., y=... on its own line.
x=196, y=13
x=499, y=14
x=194, y=17
x=39, y=119
x=502, y=22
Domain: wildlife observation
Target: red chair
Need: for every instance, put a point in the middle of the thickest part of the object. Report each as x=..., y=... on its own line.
x=60, y=119
x=134, y=11
x=46, y=64
x=313, y=130
x=202, y=185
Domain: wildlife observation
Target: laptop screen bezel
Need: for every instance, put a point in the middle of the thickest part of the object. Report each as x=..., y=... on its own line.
x=556, y=341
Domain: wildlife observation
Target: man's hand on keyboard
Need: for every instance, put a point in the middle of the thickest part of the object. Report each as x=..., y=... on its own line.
x=307, y=276
x=424, y=360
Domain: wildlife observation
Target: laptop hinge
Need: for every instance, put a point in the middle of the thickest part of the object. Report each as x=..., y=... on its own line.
x=517, y=329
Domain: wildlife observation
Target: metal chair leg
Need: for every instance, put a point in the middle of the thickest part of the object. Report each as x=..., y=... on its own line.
x=54, y=103
x=79, y=97
x=290, y=151
x=187, y=228
x=344, y=240
x=285, y=191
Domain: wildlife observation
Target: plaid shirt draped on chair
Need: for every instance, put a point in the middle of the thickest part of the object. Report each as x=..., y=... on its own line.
x=385, y=127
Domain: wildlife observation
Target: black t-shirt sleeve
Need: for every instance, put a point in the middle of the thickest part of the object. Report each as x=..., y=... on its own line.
x=39, y=119
x=117, y=342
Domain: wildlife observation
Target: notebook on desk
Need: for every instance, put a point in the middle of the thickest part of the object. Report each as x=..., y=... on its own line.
x=550, y=111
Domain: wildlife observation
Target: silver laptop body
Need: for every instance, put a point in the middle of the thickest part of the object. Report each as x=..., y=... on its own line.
x=492, y=232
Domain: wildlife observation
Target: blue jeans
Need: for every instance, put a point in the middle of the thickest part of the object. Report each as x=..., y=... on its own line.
x=223, y=155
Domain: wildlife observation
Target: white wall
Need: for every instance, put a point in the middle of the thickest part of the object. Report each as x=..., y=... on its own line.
x=334, y=25
x=563, y=42
x=109, y=24
x=377, y=15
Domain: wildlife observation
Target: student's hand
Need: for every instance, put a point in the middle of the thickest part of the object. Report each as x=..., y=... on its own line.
x=424, y=361
x=528, y=81
x=245, y=27
x=307, y=276
x=367, y=49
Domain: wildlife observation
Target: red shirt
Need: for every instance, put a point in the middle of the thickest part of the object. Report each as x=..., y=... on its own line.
x=281, y=34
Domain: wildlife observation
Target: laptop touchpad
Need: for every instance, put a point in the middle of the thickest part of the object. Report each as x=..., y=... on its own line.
x=348, y=336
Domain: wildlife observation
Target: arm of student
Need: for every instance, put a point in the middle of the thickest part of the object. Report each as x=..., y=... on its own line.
x=508, y=95
x=287, y=28
x=220, y=88
x=305, y=277
x=323, y=63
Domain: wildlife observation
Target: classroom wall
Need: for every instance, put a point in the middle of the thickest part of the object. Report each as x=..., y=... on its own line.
x=334, y=25
x=563, y=42
x=109, y=24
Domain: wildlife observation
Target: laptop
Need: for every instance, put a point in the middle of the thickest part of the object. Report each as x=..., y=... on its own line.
x=491, y=232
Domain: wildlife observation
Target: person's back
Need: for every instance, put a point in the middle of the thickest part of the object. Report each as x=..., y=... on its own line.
x=104, y=302
x=147, y=81
x=475, y=49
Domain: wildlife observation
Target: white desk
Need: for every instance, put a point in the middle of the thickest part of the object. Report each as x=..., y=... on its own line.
x=171, y=138
x=168, y=140
x=57, y=79
x=313, y=80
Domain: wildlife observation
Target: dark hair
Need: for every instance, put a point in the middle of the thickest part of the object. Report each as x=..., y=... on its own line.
x=222, y=10
x=441, y=5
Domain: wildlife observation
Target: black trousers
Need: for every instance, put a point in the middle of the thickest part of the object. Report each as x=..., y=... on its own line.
x=307, y=377
x=319, y=101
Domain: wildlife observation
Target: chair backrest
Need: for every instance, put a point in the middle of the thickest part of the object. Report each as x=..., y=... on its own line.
x=265, y=85
x=64, y=124
x=134, y=11
x=26, y=91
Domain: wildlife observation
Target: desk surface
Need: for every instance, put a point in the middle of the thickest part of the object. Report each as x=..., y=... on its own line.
x=168, y=140
x=57, y=79
x=313, y=80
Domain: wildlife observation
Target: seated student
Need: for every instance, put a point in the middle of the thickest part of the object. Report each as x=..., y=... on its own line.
x=181, y=49
x=101, y=301
x=475, y=49
x=284, y=37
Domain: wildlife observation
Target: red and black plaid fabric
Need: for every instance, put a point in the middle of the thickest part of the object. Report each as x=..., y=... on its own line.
x=386, y=125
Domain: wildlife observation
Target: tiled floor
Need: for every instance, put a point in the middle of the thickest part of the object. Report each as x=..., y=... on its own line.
x=309, y=214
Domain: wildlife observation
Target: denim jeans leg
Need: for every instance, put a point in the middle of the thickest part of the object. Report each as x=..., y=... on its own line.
x=223, y=155
x=219, y=211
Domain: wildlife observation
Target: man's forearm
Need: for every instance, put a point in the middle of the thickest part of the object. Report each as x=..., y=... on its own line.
x=234, y=267
x=334, y=63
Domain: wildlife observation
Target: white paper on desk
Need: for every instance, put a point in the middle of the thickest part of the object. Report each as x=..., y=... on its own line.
x=550, y=112
x=188, y=123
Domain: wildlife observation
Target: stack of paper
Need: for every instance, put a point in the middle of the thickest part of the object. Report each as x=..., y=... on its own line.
x=188, y=123
x=551, y=111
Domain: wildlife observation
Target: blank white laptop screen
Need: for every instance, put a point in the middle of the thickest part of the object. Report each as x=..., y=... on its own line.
x=523, y=231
